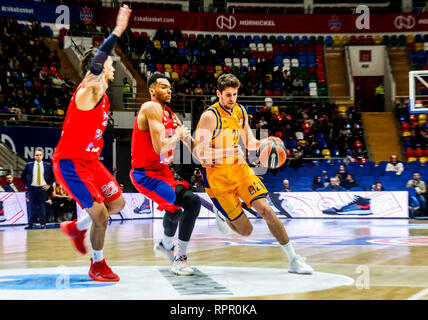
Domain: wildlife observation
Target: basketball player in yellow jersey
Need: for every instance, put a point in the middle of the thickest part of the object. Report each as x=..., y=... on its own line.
x=228, y=178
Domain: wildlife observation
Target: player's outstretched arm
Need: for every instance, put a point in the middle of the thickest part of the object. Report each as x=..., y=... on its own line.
x=95, y=82
x=153, y=113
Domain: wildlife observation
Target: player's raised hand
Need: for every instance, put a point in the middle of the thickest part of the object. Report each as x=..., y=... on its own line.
x=122, y=20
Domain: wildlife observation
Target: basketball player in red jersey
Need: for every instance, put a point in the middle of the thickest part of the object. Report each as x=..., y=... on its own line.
x=76, y=165
x=154, y=135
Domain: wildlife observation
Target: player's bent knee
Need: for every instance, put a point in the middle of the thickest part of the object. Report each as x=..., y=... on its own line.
x=100, y=221
x=246, y=232
x=100, y=218
x=268, y=214
x=115, y=206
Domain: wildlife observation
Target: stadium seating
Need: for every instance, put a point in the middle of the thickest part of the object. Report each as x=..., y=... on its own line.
x=298, y=56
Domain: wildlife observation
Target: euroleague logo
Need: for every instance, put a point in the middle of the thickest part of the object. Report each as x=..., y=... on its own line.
x=402, y=22
x=223, y=22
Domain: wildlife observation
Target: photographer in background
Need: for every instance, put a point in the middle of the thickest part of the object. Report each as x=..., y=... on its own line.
x=197, y=181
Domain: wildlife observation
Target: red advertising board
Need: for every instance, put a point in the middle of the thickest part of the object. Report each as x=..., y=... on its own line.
x=251, y=23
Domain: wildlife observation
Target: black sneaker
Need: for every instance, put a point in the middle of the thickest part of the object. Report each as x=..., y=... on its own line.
x=358, y=206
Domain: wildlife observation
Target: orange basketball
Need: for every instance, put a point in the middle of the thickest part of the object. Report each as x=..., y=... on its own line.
x=272, y=154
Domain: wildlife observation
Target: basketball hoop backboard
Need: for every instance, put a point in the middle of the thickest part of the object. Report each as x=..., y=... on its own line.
x=418, y=91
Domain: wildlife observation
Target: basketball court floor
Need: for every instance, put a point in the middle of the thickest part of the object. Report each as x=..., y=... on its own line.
x=353, y=259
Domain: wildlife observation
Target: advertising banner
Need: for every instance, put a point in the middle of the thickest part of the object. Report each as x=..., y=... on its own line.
x=219, y=22
x=14, y=206
x=386, y=204
x=137, y=207
x=279, y=23
x=26, y=140
x=40, y=11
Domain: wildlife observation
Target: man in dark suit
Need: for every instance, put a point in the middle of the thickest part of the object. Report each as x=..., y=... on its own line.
x=10, y=186
x=38, y=177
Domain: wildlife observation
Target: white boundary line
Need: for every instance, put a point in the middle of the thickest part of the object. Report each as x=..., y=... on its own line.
x=419, y=295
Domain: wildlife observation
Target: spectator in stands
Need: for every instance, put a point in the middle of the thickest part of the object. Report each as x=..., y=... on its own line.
x=395, y=165
x=333, y=185
x=339, y=179
x=342, y=173
x=10, y=186
x=175, y=174
x=262, y=123
x=29, y=70
x=420, y=189
x=38, y=177
x=197, y=181
x=349, y=182
x=287, y=187
x=325, y=176
x=317, y=183
x=298, y=86
x=126, y=92
x=296, y=161
x=379, y=97
x=61, y=203
x=377, y=186
x=198, y=90
x=402, y=107
x=414, y=207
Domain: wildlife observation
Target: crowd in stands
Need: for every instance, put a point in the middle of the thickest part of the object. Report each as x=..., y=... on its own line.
x=266, y=65
x=30, y=83
x=313, y=129
x=414, y=133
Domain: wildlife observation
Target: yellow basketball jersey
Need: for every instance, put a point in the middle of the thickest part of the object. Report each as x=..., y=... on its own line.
x=228, y=126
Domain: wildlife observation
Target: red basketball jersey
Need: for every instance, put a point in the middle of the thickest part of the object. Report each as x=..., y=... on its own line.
x=82, y=131
x=142, y=152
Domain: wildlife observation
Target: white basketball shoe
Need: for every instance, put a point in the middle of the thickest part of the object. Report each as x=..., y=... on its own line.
x=160, y=250
x=298, y=265
x=220, y=222
x=181, y=268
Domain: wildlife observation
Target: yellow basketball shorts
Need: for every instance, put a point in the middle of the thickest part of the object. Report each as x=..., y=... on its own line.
x=227, y=184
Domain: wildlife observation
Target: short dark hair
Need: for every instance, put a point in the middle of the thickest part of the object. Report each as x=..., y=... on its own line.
x=154, y=78
x=85, y=61
x=227, y=80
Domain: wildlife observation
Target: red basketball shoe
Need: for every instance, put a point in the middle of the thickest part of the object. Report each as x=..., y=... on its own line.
x=100, y=271
x=77, y=237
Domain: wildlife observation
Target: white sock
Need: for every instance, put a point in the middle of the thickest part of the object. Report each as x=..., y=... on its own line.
x=97, y=255
x=289, y=250
x=168, y=242
x=181, y=248
x=84, y=223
